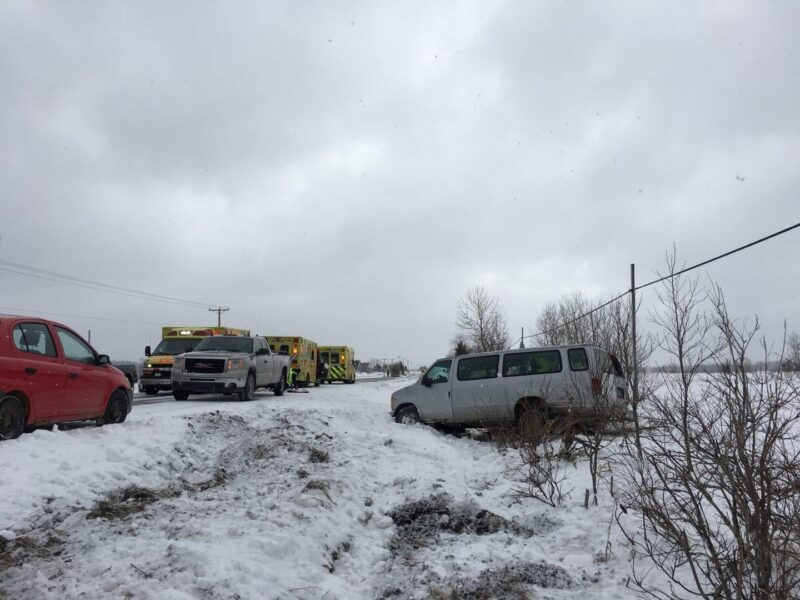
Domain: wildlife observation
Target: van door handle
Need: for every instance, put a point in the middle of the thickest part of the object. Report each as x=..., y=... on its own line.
x=30, y=371
x=73, y=375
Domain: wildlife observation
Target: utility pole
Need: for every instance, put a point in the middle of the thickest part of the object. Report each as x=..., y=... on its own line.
x=219, y=310
x=635, y=357
x=522, y=338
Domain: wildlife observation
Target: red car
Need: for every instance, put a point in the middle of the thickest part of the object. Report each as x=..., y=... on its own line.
x=49, y=374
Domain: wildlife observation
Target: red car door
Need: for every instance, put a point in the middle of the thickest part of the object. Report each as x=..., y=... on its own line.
x=42, y=373
x=88, y=384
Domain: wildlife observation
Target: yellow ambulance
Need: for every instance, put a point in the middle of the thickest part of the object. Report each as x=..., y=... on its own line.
x=304, y=357
x=340, y=361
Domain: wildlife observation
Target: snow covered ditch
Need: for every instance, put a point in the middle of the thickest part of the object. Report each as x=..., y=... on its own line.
x=305, y=496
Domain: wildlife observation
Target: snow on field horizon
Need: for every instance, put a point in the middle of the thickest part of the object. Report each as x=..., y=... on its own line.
x=290, y=497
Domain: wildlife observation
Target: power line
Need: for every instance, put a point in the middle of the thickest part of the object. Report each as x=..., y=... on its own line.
x=28, y=271
x=710, y=260
x=27, y=311
x=670, y=276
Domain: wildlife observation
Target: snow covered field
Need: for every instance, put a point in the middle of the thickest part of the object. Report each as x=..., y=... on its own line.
x=317, y=495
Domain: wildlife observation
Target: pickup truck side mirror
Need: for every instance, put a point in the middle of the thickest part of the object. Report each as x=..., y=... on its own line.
x=103, y=359
x=426, y=382
x=262, y=352
x=147, y=350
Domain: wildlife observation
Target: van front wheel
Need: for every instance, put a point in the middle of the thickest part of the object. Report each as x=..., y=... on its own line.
x=407, y=415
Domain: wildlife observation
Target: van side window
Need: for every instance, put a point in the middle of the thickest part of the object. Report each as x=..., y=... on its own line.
x=439, y=372
x=531, y=363
x=609, y=363
x=480, y=367
x=617, y=367
x=34, y=338
x=578, y=361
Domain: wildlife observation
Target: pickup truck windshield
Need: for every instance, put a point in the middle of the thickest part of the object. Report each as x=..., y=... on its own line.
x=225, y=344
x=173, y=346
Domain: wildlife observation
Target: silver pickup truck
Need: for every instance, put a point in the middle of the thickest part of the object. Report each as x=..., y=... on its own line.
x=229, y=365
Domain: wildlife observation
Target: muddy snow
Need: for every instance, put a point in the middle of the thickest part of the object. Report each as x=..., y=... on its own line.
x=316, y=495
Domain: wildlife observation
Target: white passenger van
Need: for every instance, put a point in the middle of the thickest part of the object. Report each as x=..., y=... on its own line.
x=477, y=389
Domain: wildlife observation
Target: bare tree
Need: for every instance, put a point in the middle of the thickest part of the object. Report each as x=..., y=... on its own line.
x=460, y=346
x=563, y=322
x=792, y=360
x=712, y=498
x=481, y=321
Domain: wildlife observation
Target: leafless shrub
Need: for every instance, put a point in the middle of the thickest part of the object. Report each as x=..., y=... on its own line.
x=542, y=467
x=712, y=498
x=598, y=429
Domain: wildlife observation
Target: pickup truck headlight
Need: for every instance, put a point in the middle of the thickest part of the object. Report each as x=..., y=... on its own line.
x=178, y=365
x=235, y=364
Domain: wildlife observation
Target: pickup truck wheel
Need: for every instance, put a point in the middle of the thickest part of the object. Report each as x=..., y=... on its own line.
x=12, y=418
x=407, y=415
x=249, y=389
x=281, y=385
x=180, y=395
x=116, y=409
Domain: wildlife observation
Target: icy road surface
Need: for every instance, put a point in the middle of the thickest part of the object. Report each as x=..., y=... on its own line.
x=316, y=495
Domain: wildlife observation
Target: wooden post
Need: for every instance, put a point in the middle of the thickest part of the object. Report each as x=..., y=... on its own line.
x=586, y=500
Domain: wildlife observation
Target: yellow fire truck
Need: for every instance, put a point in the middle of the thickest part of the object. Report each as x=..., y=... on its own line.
x=157, y=368
x=340, y=361
x=304, y=357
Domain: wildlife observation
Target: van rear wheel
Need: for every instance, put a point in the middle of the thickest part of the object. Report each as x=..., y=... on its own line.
x=533, y=421
x=407, y=415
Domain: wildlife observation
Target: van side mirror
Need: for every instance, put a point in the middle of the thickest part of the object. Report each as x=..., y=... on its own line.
x=147, y=350
x=425, y=381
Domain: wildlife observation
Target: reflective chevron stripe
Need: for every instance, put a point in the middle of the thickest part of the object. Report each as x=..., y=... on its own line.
x=336, y=372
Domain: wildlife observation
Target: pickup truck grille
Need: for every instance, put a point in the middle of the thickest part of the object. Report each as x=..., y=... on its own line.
x=205, y=365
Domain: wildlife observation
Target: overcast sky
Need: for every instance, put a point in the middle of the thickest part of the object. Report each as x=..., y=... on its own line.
x=347, y=171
